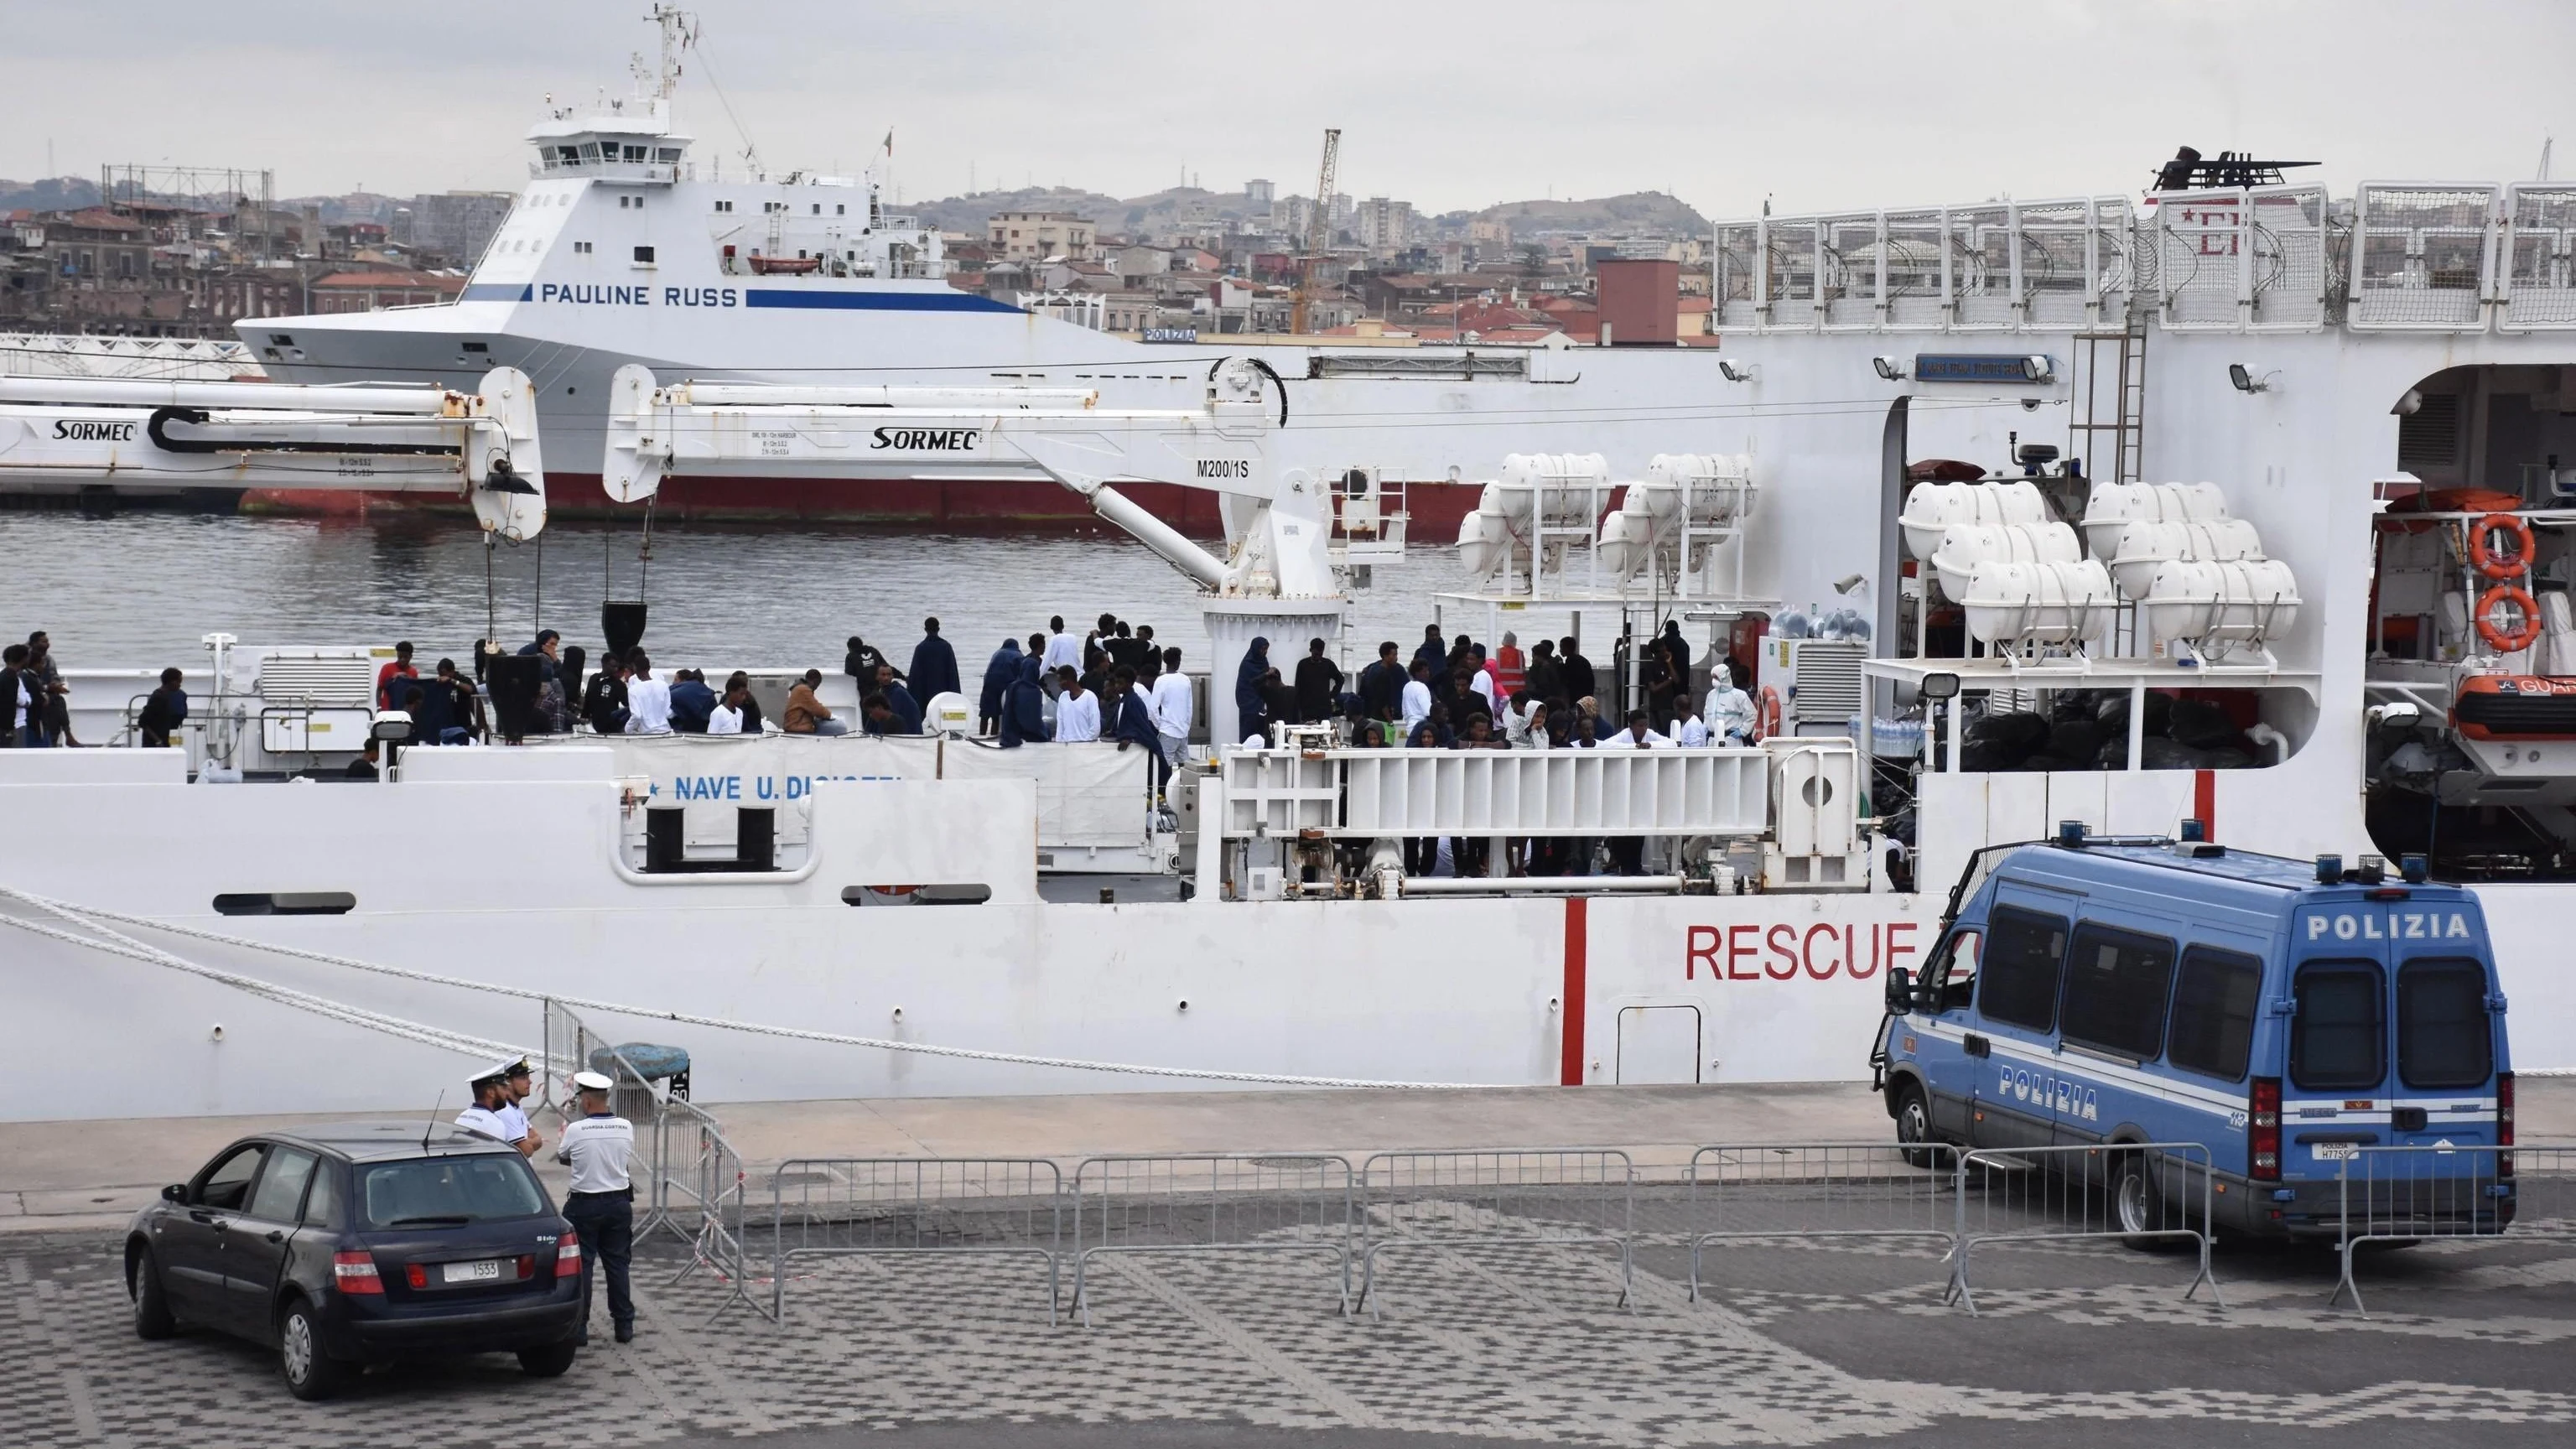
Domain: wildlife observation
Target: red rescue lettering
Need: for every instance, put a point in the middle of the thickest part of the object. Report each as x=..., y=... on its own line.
x=1810, y=949
x=1895, y=947
x=1701, y=950
x=1782, y=939
x=1737, y=950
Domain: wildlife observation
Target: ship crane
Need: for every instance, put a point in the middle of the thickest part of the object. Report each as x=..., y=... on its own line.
x=480, y=446
x=1277, y=576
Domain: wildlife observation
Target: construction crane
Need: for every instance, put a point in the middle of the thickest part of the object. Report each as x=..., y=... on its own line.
x=1319, y=229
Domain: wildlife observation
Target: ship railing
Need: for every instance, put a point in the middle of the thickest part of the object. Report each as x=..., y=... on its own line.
x=2000, y=266
x=1396, y=793
x=2427, y=256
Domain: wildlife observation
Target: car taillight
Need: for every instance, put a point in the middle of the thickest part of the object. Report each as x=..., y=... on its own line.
x=527, y=1266
x=356, y=1273
x=568, y=1256
x=2263, y=1135
x=2504, y=1123
x=416, y=1275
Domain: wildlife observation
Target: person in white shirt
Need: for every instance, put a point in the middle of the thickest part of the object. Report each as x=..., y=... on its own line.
x=1690, y=731
x=493, y=1110
x=1637, y=736
x=1525, y=724
x=1062, y=649
x=1077, y=710
x=648, y=700
x=1729, y=710
x=1417, y=697
x=726, y=717
x=1173, y=704
x=601, y=1205
x=1483, y=684
x=514, y=1118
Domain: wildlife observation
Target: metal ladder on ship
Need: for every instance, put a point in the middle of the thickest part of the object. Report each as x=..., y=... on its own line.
x=2124, y=447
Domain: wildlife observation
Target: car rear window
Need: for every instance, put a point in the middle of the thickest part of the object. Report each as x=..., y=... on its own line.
x=2019, y=982
x=2443, y=1035
x=2116, y=985
x=2213, y=1012
x=448, y=1191
x=2338, y=1038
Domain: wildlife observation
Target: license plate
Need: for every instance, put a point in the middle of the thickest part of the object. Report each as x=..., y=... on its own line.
x=2337, y=1152
x=487, y=1271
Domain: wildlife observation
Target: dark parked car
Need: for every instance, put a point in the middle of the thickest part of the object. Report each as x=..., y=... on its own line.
x=358, y=1243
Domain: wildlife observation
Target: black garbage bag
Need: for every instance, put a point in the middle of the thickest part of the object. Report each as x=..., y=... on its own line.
x=2112, y=714
x=2076, y=740
x=2155, y=752
x=2200, y=725
x=2226, y=757
x=2002, y=741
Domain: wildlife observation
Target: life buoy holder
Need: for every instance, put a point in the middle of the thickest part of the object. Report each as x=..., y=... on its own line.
x=2496, y=635
x=2494, y=562
x=1767, y=719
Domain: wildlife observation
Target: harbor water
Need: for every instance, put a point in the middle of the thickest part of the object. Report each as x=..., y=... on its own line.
x=142, y=589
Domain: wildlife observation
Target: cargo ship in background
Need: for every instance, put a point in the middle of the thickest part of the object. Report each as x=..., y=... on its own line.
x=624, y=249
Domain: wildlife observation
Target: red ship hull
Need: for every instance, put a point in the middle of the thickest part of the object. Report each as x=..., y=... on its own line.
x=930, y=506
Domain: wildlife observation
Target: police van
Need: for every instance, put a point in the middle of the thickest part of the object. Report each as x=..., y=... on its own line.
x=2282, y=1013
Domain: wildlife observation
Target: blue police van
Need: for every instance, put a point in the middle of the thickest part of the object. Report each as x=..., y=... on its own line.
x=2283, y=1013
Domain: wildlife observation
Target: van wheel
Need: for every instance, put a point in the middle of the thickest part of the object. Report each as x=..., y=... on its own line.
x=2137, y=1204
x=1914, y=1125
x=152, y=1318
x=310, y=1373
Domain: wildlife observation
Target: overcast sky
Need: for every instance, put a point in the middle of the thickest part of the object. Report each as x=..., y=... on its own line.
x=1450, y=105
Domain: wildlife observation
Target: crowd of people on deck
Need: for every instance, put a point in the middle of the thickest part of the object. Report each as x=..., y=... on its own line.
x=1112, y=683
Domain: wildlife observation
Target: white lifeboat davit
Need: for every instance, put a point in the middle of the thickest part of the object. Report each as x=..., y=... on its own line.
x=1966, y=545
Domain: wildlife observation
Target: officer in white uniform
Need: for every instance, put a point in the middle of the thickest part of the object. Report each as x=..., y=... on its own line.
x=514, y=1117
x=491, y=1095
x=601, y=1205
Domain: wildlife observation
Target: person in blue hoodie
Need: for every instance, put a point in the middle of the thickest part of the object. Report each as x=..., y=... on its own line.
x=692, y=703
x=1024, y=708
x=1251, y=708
x=1000, y=673
x=934, y=665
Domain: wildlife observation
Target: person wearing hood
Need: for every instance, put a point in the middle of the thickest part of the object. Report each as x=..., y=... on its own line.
x=934, y=665
x=1000, y=673
x=1251, y=710
x=1024, y=707
x=861, y=662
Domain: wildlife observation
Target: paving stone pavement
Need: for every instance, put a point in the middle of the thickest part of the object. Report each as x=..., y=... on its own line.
x=1486, y=1342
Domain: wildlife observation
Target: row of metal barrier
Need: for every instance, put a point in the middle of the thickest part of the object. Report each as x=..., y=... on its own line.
x=689, y=1180
x=1960, y=1202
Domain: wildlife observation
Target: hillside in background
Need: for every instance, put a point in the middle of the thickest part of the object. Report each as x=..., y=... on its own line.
x=1643, y=211
x=54, y=193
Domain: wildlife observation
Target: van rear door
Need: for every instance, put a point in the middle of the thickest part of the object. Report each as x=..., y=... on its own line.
x=2334, y=1091
x=2445, y=1088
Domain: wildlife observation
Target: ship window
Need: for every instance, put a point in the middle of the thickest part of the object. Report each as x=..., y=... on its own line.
x=634, y=153
x=568, y=154
x=840, y=209
x=281, y=339
x=286, y=903
x=644, y=254
x=818, y=208
x=669, y=153
x=590, y=150
x=478, y=346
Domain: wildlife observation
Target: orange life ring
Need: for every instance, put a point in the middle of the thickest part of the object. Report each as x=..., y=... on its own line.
x=2488, y=559
x=2495, y=634
x=1767, y=718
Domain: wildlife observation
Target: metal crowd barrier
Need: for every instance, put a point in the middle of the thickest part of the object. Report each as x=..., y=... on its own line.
x=1760, y=1192
x=854, y=1206
x=2011, y=1196
x=1211, y=1202
x=697, y=1171
x=2405, y=1194
x=1550, y=1197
